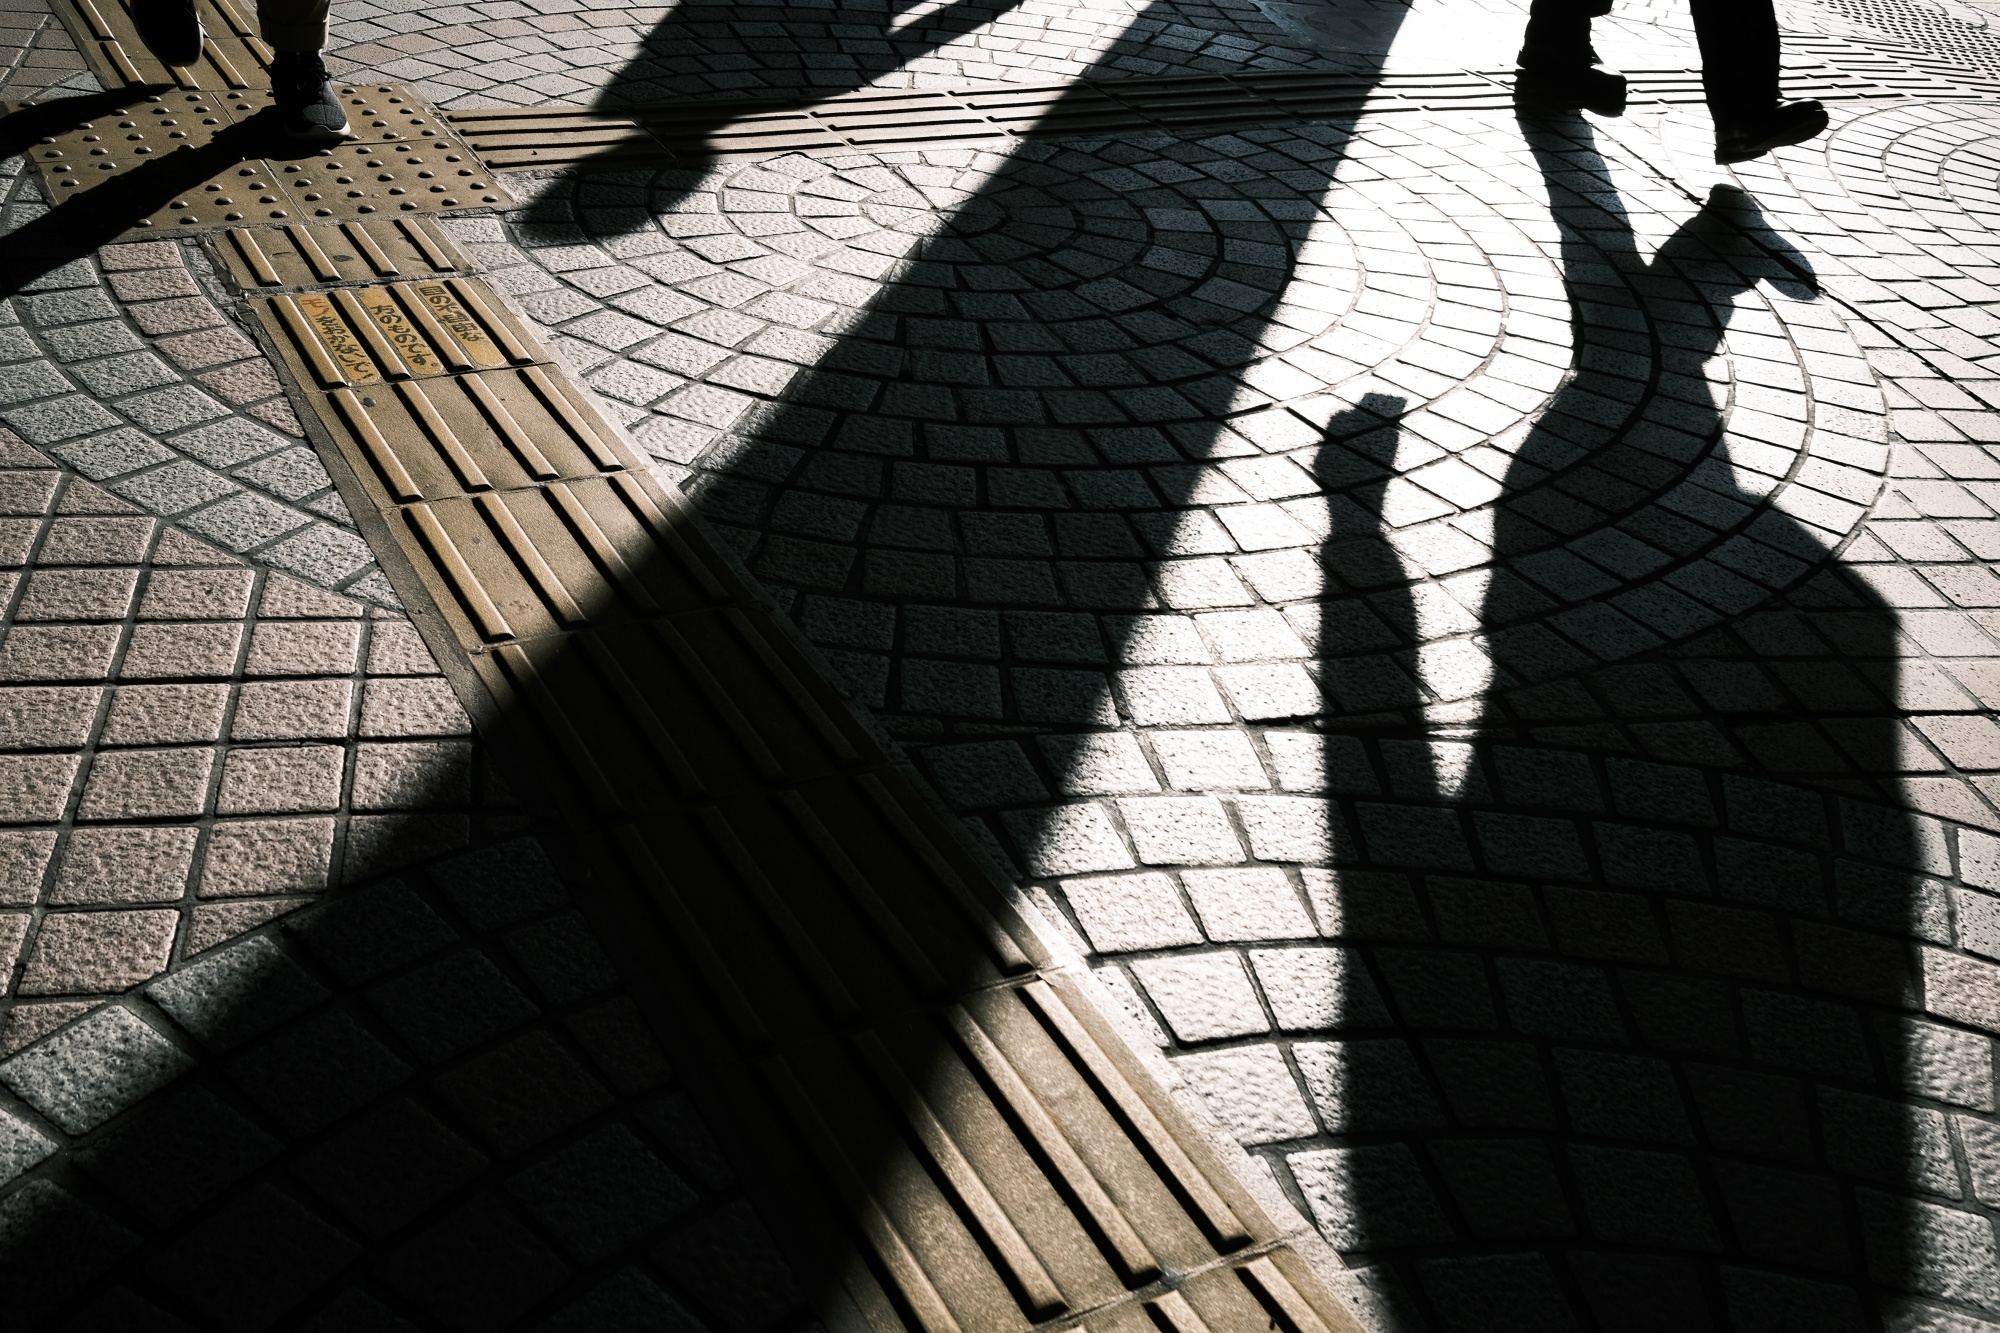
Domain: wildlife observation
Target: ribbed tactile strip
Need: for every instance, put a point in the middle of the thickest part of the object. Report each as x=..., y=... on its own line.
x=233, y=55
x=948, y=1135
x=536, y=137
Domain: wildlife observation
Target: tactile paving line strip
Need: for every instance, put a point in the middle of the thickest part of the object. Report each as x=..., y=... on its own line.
x=197, y=160
x=524, y=138
x=948, y=1135
x=233, y=55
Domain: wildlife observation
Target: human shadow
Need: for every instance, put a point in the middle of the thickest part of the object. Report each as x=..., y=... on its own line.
x=1642, y=1059
x=790, y=57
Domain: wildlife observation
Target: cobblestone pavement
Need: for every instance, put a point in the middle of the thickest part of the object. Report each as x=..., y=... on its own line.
x=1483, y=631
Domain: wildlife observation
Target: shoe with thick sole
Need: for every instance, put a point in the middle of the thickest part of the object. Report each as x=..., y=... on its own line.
x=307, y=109
x=171, y=29
x=1586, y=89
x=1787, y=123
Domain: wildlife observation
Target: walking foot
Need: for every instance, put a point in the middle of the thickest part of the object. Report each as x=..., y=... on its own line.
x=1786, y=123
x=1587, y=88
x=308, y=111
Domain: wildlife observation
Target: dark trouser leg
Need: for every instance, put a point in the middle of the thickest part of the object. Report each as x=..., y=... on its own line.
x=1558, y=36
x=1739, y=57
x=294, y=25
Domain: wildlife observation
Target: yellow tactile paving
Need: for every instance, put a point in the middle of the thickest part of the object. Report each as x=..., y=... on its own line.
x=203, y=160
x=233, y=54
x=525, y=138
x=953, y=1140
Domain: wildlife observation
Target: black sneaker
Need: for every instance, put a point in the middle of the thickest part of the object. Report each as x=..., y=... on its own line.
x=1586, y=88
x=307, y=109
x=1786, y=123
x=171, y=29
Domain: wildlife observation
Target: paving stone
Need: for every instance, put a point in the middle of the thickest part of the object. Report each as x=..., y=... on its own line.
x=124, y=864
x=181, y=649
x=178, y=1153
x=522, y=1093
x=281, y=781
x=232, y=995
x=165, y=714
x=1336, y=1180
x=94, y=1069
x=1203, y=996
x=444, y=1008
x=386, y=1167
x=1250, y=904
x=1124, y=913
x=21, y=1147
x=1249, y=1090
x=258, y=1258
x=291, y=710
x=1180, y=830
x=143, y=784
x=303, y=649
x=47, y=717
x=315, y=1073
x=501, y=885
x=1559, y=337
x=603, y=1193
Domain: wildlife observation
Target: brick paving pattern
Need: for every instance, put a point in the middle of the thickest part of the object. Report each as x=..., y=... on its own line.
x=39, y=57
x=437, y=1074
x=1482, y=631
x=506, y=54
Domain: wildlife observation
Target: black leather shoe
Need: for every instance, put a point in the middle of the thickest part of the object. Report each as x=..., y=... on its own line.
x=1587, y=88
x=1786, y=123
x=171, y=29
x=307, y=108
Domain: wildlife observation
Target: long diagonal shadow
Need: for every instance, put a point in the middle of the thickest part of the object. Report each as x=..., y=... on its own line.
x=1059, y=258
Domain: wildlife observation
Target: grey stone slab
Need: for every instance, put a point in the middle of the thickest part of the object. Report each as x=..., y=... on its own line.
x=232, y=995
x=21, y=1148
x=97, y=1067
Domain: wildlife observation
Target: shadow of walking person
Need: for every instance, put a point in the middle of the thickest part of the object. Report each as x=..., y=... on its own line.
x=793, y=54
x=1663, y=1020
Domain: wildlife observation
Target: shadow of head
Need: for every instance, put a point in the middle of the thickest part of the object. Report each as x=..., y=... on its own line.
x=1731, y=219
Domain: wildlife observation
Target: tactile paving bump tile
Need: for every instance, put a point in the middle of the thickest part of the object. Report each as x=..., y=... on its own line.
x=233, y=55
x=237, y=169
x=422, y=177
x=298, y=255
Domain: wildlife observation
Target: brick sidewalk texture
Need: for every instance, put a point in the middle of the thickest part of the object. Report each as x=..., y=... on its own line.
x=1484, y=632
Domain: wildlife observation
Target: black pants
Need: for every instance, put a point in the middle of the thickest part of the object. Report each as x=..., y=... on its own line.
x=1738, y=39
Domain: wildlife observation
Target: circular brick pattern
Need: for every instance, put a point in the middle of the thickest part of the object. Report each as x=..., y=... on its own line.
x=1941, y=161
x=179, y=412
x=1404, y=411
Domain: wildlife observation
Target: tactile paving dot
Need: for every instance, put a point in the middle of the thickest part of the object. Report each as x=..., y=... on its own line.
x=248, y=193
x=389, y=113
x=381, y=178
x=128, y=137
